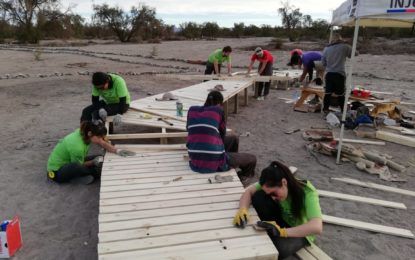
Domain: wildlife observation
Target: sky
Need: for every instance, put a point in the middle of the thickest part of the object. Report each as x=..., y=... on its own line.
x=224, y=12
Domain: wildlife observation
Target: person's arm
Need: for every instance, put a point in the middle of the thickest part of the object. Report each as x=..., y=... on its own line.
x=216, y=67
x=312, y=227
x=104, y=144
x=246, y=198
x=229, y=65
x=250, y=66
x=262, y=68
x=305, y=71
x=122, y=105
x=95, y=101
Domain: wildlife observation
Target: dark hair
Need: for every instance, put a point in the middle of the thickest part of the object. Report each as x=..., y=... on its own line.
x=97, y=128
x=214, y=98
x=318, y=81
x=227, y=49
x=272, y=177
x=100, y=78
x=295, y=59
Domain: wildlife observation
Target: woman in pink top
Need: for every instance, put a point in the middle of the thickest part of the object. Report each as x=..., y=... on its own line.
x=295, y=59
x=266, y=61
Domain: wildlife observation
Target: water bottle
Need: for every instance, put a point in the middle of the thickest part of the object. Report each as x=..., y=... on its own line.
x=179, y=108
x=3, y=225
x=295, y=96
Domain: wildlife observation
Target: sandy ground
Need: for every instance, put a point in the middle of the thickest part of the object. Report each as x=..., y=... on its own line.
x=44, y=104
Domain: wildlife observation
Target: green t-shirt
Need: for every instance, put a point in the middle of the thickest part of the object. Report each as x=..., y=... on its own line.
x=311, y=208
x=217, y=56
x=113, y=95
x=70, y=149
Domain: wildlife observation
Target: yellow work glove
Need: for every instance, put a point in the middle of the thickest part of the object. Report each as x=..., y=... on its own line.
x=274, y=228
x=241, y=218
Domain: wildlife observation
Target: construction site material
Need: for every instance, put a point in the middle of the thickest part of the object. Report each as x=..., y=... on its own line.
x=375, y=186
x=361, y=141
x=152, y=206
x=395, y=138
x=368, y=226
x=368, y=164
x=146, y=136
x=312, y=252
x=342, y=196
x=375, y=157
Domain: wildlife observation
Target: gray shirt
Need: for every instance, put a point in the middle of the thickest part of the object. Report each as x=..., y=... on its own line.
x=334, y=57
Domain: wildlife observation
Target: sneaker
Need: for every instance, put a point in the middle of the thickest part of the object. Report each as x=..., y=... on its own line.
x=260, y=98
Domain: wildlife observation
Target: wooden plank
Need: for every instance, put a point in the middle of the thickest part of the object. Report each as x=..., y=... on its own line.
x=156, y=147
x=375, y=186
x=166, y=230
x=356, y=141
x=303, y=254
x=256, y=247
x=246, y=97
x=168, y=203
x=119, y=216
x=157, y=171
x=168, y=190
x=368, y=226
x=236, y=104
x=395, y=138
x=377, y=202
x=147, y=135
x=317, y=252
x=163, y=140
x=167, y=220
x=184, y=195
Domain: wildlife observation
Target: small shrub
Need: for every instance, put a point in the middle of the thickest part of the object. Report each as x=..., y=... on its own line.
x=38, y=54
x=278, y=44
x=154, y=51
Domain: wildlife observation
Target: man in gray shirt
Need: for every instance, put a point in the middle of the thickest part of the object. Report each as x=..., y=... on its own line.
x=334, y=59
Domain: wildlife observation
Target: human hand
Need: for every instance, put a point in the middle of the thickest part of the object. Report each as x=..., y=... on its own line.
x=241, y=218
x=124, y=153
x=273, y=228
x=98, y=161
x=117, y=119
x=103, y=114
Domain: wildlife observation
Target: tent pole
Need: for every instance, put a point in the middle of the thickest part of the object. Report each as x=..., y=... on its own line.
x=348, y=87
x=331, y=28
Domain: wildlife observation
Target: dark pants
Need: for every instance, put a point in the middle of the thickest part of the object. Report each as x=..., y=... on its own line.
x=75, y=170
x=91, y=112
x=264, y=85
x=269, y=210
x=244, y=161
x=335, y=83
x=210, y=68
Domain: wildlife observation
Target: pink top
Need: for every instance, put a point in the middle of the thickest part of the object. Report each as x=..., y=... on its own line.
x=300, y=52
x=266, y=57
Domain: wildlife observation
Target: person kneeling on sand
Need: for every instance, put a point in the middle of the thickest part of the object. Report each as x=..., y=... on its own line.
x=115, y=98
x=210, y=149
x=69, y=159
x=289, y=209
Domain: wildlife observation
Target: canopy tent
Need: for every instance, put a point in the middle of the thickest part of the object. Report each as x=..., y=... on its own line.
x=369, y=13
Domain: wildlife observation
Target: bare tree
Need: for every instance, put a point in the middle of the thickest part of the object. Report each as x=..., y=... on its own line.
x=23, y=13
x=291, y=18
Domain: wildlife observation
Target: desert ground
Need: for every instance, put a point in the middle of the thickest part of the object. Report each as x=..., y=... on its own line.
x=42, y=93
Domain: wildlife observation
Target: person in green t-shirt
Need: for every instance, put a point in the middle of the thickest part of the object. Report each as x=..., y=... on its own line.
x=69, y=159
x=288, y=208
x=115, y=98
x=216, y=58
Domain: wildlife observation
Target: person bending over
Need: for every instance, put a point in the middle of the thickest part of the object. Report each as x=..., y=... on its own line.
x=266, y=60
x=69, y=159
x=288, y=208
x=210, y=149
x=115, y=98
x=215, y=60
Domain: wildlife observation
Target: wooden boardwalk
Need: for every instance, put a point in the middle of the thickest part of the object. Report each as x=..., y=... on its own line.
x=152, y=206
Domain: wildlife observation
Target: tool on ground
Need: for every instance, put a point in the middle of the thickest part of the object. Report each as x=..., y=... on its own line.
x=165, y=121
x=273, y=228
x=124, y=153
x=241, y=218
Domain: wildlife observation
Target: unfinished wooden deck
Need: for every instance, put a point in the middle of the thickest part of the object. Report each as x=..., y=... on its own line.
x=152, y=206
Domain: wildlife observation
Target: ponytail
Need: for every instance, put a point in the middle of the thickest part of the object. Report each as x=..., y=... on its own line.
x=97, y=128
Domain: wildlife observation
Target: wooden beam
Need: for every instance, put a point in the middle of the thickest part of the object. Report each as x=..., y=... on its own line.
x=342, y=196
x=246, y=96
x=146, y=135
x=395, y=138
x=368, y=226
x=163, y=140
x=375, y=186
x=361, y=141
x=236, y=104
x=317, y=252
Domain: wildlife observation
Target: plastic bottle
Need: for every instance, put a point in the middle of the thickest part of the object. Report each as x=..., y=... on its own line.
x=179, y=108
x=332, y=119
x=3, y=225
x=295, y=96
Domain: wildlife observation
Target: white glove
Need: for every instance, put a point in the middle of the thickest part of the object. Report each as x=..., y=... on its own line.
x=124, y=153
x=117, y=119
x=103, y=114
x=98, y=161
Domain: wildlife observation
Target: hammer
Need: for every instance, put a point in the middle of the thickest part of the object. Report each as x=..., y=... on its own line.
x=165, y=121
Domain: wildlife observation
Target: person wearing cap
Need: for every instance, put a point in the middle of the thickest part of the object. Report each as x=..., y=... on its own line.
x=215, y=60
x=295, y=58
x=69, y=159
x=210, y=149
x=334, y=58
x=289, y=209
x=115, y=98
x=311, y=60
x=266, y=60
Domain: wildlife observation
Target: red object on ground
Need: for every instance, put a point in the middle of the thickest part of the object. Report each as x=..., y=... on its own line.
x=11, y=239
x=361, y=93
